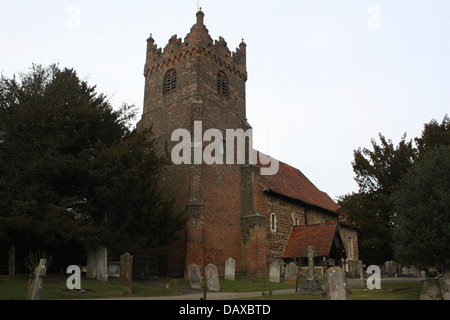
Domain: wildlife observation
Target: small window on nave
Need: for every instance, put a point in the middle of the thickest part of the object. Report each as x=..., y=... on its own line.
x=273, y=223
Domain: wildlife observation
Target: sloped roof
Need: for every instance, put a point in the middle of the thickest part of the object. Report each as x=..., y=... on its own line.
x=292, y=183
x=320, y=236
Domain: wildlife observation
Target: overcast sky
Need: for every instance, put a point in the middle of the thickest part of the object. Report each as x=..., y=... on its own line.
x=324, y=76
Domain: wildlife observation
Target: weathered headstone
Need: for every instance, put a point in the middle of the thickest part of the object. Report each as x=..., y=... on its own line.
x=290, y=275
x=126, y=273
x=310, y=284
x=91, y=267
x=274, y=272
x=230, y=269
x=40, y=271
x=97, y=264
x=12, y=262
x=361, y=282
x=102, y=264
x=212, y=278
x=173, y=284
x=390, y=268
x=336, y=284
x=445, y=286
x=114, y=270
x=195, y=276
x=431, y=290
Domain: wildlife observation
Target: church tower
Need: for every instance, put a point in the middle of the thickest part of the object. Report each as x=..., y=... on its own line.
x=194, y=80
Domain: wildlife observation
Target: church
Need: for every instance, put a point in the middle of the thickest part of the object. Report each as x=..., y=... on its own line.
x=231, y=209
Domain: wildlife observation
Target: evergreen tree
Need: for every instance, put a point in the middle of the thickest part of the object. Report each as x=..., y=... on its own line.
x=422, y=207
x=72, y=171
x=378, y=172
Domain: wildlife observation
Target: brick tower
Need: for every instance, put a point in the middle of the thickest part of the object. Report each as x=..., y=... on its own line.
x=199, y=79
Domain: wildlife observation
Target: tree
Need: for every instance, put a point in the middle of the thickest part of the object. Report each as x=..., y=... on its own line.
x=433, y=135
x=71, y=169
x=422, y=207
x=378, y=172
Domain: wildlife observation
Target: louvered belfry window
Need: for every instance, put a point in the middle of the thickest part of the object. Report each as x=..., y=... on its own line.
x=170, y=81
x=222, y=83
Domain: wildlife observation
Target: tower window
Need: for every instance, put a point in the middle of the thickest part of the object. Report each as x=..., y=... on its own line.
x=222, y=83
x=170, y=81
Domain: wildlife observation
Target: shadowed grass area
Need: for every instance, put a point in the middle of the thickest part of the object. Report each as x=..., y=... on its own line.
x=389, y=291
x=55, y=289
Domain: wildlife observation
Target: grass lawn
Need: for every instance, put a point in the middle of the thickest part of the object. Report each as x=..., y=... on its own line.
x=389, y=291
x=55, y=289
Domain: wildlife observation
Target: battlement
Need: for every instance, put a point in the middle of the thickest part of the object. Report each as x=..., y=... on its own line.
x=197, y=43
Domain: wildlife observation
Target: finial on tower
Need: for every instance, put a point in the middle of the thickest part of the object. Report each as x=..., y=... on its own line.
x=150, y=40
x=200, y=16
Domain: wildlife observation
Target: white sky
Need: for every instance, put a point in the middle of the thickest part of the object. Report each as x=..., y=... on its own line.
x=325, y=76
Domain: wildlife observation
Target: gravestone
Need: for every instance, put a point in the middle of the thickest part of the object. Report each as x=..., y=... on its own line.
x=431, y=290
x=361, y=282
x=102, y=265
x=230, y=269
x=12, y=262
x=336, y=284
x=173, y=284
x=114, y=270
x=97, y=264
x=390, y=268
x=40, y=271
x=126, y=273
x=212, y=278
x=274, y=272
x=91, y=267
x=310, y=284
x=445, y=286
x=290, y=275
x=195, y=276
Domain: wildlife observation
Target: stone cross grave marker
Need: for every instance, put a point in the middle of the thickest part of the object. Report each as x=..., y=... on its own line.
x=212, y=278
x=230, y=269
x=310, y=284
x=336, y=284
x=40, y=271
x=195, y=276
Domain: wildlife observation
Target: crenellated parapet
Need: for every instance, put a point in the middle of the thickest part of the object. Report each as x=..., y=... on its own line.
x=197, y=43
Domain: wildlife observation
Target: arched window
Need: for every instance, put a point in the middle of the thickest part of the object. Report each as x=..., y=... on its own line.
x=222, y=83
x=170, y=81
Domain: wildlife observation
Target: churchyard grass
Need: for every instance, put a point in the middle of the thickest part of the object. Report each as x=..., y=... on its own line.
x=55, y=289
x=258, y=284
x=389, y=291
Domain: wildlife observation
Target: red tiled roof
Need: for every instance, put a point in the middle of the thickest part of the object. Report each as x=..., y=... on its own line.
x=292, y=183
x=320, y=236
